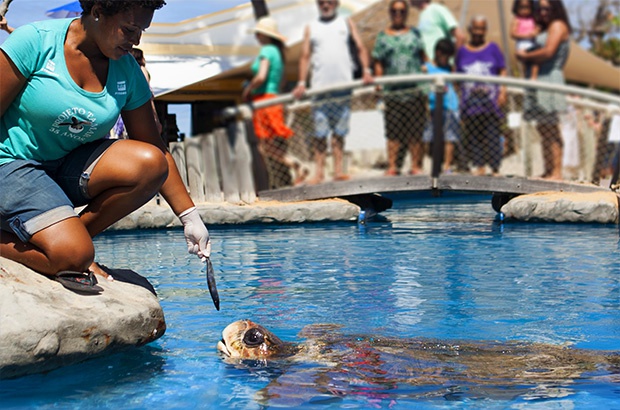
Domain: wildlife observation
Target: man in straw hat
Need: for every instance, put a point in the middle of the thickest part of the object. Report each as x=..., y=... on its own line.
x=325, y=49
x=269, y=125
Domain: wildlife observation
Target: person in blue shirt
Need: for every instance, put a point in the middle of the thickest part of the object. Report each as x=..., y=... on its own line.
x=63, y=84
x=444, y=50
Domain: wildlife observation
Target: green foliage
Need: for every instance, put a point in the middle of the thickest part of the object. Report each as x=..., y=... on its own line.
x=609, y=50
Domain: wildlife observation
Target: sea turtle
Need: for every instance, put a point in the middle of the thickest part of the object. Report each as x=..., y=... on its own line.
x=328, y=365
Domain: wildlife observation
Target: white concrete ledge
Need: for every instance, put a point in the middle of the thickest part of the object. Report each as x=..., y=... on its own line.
x=161, y=216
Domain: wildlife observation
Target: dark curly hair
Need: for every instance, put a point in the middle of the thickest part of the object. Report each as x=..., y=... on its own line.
x=557, y=12
x=113, y=7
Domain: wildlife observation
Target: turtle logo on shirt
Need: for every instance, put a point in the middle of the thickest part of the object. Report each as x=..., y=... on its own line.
x=75, y=126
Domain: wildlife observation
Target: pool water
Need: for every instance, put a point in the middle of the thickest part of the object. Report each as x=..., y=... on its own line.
x=436, y=268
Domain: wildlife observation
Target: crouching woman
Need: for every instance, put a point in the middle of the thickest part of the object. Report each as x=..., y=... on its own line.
x=63, y=84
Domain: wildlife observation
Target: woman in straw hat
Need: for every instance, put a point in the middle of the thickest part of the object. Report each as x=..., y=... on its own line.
x=269, y=126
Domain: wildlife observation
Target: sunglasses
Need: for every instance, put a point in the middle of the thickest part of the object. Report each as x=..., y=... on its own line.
x=544, y=8
x=402, y=12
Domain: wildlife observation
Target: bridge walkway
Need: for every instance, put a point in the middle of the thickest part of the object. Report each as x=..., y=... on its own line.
x=374, y=193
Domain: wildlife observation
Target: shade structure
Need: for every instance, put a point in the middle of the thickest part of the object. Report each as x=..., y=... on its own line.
x=208, y=57
x=72, y=9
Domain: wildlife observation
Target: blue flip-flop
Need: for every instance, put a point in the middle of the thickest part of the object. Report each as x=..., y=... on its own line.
x=80, y=282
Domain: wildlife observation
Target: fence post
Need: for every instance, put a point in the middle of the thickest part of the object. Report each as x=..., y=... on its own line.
x=195, y=168
x=438, y=132
x=213, y=191
x=177, y=150
x=227, y=166
x=243, y=162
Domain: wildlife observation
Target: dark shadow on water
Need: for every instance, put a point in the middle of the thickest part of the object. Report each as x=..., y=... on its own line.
x=84, y=379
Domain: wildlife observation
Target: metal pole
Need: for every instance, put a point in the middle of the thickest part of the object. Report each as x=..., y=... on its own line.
x=463, y=19
x=260, y=8
x=502, y=26
x=438, y=134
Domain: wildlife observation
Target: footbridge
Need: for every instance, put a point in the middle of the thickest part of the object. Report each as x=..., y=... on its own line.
x=374, y=194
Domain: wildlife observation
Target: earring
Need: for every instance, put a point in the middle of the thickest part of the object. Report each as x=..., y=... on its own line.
x=96, y=18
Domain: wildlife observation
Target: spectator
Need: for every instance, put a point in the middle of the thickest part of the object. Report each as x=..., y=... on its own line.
x=444, y=51
x=269, y=126
x=4, y=25
x=138, y=54
x=53, y=152
x=399, y=49
x=545, y=106
x=606, y=151
x=119, y=131
x=481, y=102
x=325, y=50
x=436, y=22
x=523, y=30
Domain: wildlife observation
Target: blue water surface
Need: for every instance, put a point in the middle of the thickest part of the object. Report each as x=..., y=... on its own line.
x=436, y=268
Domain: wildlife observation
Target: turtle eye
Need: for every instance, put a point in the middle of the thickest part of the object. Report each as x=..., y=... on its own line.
x=253, y=338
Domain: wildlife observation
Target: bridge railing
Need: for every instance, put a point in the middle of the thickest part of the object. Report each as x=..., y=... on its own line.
x=392, y=130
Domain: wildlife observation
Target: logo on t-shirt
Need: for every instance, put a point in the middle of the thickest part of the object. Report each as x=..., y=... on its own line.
x=50, y=66
x=121, y=88
x=75, y=126
x=75, y=123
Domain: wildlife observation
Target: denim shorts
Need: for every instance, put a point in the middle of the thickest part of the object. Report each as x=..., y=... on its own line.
x=332, y=112
x=36, y=195
x=451, y=128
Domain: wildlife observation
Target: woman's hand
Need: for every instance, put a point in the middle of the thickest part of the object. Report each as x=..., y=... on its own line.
x=502, y=97
x=196, y=233
x=299, y=90
x=245, y=94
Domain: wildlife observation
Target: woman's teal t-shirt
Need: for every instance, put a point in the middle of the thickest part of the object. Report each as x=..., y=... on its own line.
x=52, y=115
x=276, y=67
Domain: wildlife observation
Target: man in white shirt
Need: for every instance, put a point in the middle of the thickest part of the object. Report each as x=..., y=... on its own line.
x=322, y=52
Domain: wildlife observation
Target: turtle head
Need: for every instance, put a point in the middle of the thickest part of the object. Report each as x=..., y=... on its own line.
x=246, y=340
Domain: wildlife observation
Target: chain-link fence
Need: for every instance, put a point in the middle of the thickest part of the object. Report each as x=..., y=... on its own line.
x=438, y=124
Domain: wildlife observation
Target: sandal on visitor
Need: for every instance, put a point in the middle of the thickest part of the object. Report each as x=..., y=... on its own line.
x=342, y=178
x=81, y=282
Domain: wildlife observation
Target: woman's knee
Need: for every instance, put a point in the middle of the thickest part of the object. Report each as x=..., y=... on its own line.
x=142, y=164
x=152, y=162
x=67, y=245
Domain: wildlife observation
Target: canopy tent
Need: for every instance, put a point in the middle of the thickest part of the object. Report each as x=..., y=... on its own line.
x=208, y=57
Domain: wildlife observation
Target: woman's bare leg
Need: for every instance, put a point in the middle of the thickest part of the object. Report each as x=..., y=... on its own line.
x=65, y=245
x=552, y=150
x=415, y=151
x=125, y=178
x=392, y=150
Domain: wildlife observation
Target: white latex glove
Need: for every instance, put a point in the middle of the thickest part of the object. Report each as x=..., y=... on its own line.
x=196, y=233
